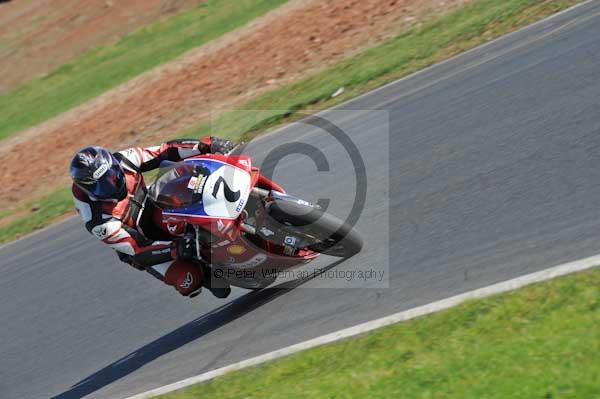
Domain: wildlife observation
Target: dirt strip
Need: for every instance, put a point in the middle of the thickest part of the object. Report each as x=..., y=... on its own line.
x=38, y=36
x=278, y=48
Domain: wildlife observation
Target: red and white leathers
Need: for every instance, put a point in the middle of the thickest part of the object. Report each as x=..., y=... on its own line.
x=130, y=226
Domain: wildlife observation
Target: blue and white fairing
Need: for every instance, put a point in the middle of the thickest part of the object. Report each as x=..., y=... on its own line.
x=206, y=188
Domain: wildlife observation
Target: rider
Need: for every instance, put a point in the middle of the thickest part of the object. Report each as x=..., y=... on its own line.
x=110, y=196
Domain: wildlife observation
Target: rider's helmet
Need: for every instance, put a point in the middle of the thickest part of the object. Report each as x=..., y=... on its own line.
x=97, y=172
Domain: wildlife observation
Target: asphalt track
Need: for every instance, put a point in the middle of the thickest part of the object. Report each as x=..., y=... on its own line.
x=493, y=173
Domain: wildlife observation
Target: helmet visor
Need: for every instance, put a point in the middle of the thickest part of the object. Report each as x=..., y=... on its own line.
x=107, y=180
x=110, y=185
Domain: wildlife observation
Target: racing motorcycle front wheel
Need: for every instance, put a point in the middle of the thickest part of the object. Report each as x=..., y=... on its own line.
x=302, y=225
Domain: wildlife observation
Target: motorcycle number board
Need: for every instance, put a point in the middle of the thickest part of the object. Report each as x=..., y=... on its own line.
x=226, y=191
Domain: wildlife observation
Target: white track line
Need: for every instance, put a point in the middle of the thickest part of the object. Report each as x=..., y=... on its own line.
x=433, y=307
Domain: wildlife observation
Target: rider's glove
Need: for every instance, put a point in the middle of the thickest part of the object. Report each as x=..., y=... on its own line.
x=184, y=248
x=215, y=145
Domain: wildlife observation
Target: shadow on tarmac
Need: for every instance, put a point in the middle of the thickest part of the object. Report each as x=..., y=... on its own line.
x=181, y=336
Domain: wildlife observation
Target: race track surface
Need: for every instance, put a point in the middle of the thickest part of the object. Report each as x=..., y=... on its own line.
x=493, y=173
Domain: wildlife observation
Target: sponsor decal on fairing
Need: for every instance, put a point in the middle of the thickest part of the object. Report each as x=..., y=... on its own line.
x=289, y=240
x=236, y=249
x=256, y=260
x=266, y=232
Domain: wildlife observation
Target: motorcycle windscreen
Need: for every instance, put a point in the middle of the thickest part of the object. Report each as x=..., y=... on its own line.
x=170, y=189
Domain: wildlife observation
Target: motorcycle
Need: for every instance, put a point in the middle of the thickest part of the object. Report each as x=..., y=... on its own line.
x=245, y=226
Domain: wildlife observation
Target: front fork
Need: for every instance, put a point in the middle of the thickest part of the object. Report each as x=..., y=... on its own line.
x=261, y=195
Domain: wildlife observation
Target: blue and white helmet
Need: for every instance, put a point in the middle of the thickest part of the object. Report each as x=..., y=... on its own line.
x=97, y=172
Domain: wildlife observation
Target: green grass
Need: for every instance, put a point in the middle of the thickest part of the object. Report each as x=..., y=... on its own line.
x=441, y=38
x=36, y=214
x=105, y=67
x=538, y=342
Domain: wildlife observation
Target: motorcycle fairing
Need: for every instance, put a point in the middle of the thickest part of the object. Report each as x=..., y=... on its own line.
x=224, y=192
x=234, y=252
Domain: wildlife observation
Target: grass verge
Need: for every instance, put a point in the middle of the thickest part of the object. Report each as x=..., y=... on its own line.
x=538, y=342
x=105, y=67
x=35, y=215
x=440, y=39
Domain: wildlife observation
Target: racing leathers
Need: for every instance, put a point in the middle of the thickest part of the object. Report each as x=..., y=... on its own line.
x=131, y=226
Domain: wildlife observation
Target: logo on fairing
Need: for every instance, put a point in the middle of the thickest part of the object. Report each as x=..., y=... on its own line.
x=256, y=260
x=196, y=184
x=240, y=205
x=187, y=283
x=266, y=232
x=236, y=249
